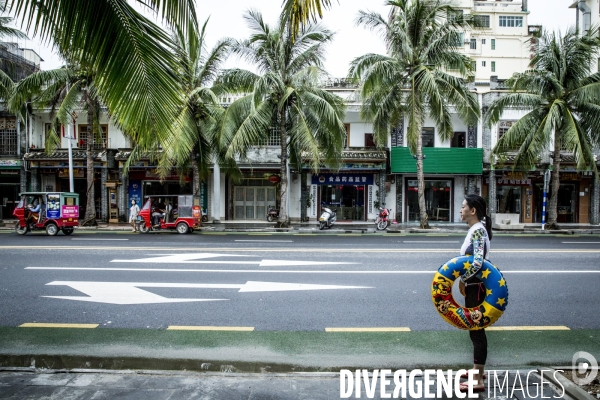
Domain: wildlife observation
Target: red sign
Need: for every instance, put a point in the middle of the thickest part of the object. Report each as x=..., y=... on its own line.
x=274, y=178
x=70, y=211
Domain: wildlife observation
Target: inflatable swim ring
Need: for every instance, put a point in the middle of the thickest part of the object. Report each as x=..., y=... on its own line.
x=482, y=316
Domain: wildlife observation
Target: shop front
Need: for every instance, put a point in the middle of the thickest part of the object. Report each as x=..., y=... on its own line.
x=253, y=195
x=348, y=193
x=10, y=185
x=438, y=199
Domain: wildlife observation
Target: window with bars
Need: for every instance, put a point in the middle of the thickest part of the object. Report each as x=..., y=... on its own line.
x=273, y=140
x=473, y=44
x=503, y=127
x=482, y=21
x=493, y=66
x=493, y=44
x=8, y=136
x=83, y=137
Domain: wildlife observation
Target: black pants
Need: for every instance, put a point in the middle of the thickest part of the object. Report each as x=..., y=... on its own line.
x=475, y=293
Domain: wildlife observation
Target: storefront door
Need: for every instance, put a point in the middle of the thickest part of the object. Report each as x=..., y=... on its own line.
x=568, y=203
x=9, y=198
x=438, y=200
x=251, y=203
x=348, y=200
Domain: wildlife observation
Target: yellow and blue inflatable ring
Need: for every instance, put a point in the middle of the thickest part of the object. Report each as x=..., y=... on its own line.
x=482, y=316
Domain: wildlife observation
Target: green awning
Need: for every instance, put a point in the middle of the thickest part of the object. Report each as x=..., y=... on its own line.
x=438, y=161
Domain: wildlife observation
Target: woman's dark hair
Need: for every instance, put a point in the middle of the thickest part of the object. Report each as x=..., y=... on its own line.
x=478, y=203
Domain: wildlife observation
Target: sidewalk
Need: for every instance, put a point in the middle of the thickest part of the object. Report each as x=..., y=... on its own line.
x=341, y=227
x=94, y=384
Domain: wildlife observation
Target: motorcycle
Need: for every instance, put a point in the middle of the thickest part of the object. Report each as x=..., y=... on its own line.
x=272, y=214
x=327, y=219
x=383, y=219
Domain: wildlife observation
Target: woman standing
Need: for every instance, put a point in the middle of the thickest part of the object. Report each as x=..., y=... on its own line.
x=477, y=244
x=134, y=211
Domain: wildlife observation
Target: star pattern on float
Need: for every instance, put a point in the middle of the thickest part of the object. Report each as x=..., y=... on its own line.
x=456, y=274
x=501, y=302
x=445, y=267
x=488, y=292
x=486, y=273
x=467, y=265
x=502, y=282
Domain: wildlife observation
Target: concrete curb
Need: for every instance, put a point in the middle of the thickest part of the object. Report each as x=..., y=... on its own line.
x=570, y=388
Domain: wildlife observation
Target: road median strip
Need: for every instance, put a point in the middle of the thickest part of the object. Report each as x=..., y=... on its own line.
x=211, y=328
x=383, y=329
x=57, y=325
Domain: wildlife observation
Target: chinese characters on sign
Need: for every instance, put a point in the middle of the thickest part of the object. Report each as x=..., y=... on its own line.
x=342, y=179
x=70, y=211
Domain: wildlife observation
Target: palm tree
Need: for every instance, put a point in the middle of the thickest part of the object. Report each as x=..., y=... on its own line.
x=563, y=97
x=299, y=12
x=412, y=79
x=284, y=99
x=63, y=90
x=134, y=59
x=193, y=144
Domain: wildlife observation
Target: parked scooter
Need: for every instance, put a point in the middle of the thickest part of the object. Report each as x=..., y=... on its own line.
x=272, y=214
x=327, y=219
x=383, y=219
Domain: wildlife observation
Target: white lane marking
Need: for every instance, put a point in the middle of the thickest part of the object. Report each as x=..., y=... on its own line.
x=581, y=242
x=265, y=271
x=294, y=249
x=430, y=241
x=267, y=241
x=193, y=259
x=97, y=239
x=130, y=292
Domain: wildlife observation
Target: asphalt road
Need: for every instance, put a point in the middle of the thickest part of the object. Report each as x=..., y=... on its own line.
x=281, y=282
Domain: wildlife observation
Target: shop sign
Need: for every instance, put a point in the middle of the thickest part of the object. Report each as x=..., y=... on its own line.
x=342, y=179
x=569, y=176
x=10, y=163
x=70, y=211
x=77, y=173
x=510, y=182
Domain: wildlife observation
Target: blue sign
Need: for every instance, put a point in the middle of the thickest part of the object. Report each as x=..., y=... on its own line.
x=53, y=206
x=342, y=179
x=135, y=192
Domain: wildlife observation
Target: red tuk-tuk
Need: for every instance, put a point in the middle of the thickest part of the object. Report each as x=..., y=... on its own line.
x=50, y=211
x=181, y=212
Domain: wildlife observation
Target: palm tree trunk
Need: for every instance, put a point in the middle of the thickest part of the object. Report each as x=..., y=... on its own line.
x=421, y=183
x=90, y=210
x=283, y=184
x=195, y=177
x=553, y=202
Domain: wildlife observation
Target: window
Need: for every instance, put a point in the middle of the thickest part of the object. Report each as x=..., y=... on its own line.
x=428, y=135
x=493, y=66
x=482, y=41
x=458, y=140
x=482, y=21
x=457, y=39
x=493, y=44
x=8, y=136
x=503, y=127
x=511, y=21
x=347, y=138
x=473, y=44
x=98, y=144
x=369, y=142
x=483, y=63
x=455, y=15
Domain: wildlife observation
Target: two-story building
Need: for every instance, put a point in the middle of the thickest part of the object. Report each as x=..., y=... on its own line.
x=17, y=63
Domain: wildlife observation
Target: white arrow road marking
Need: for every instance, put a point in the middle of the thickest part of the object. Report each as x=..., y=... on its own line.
x=130, y=292
x=195, y=257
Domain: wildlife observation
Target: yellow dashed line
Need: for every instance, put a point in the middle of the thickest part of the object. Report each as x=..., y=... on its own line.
x=528, y=328
x=210, y=328
x=367, y=329
x=51, y=325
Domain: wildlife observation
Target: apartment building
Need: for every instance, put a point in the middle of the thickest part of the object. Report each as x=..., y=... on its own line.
x=504, y=41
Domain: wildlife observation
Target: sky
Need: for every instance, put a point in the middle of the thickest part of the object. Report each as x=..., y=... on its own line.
x=350, y=41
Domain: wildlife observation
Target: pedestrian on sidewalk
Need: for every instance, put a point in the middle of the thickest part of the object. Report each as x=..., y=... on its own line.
x=134, y=211
x=477, y=244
